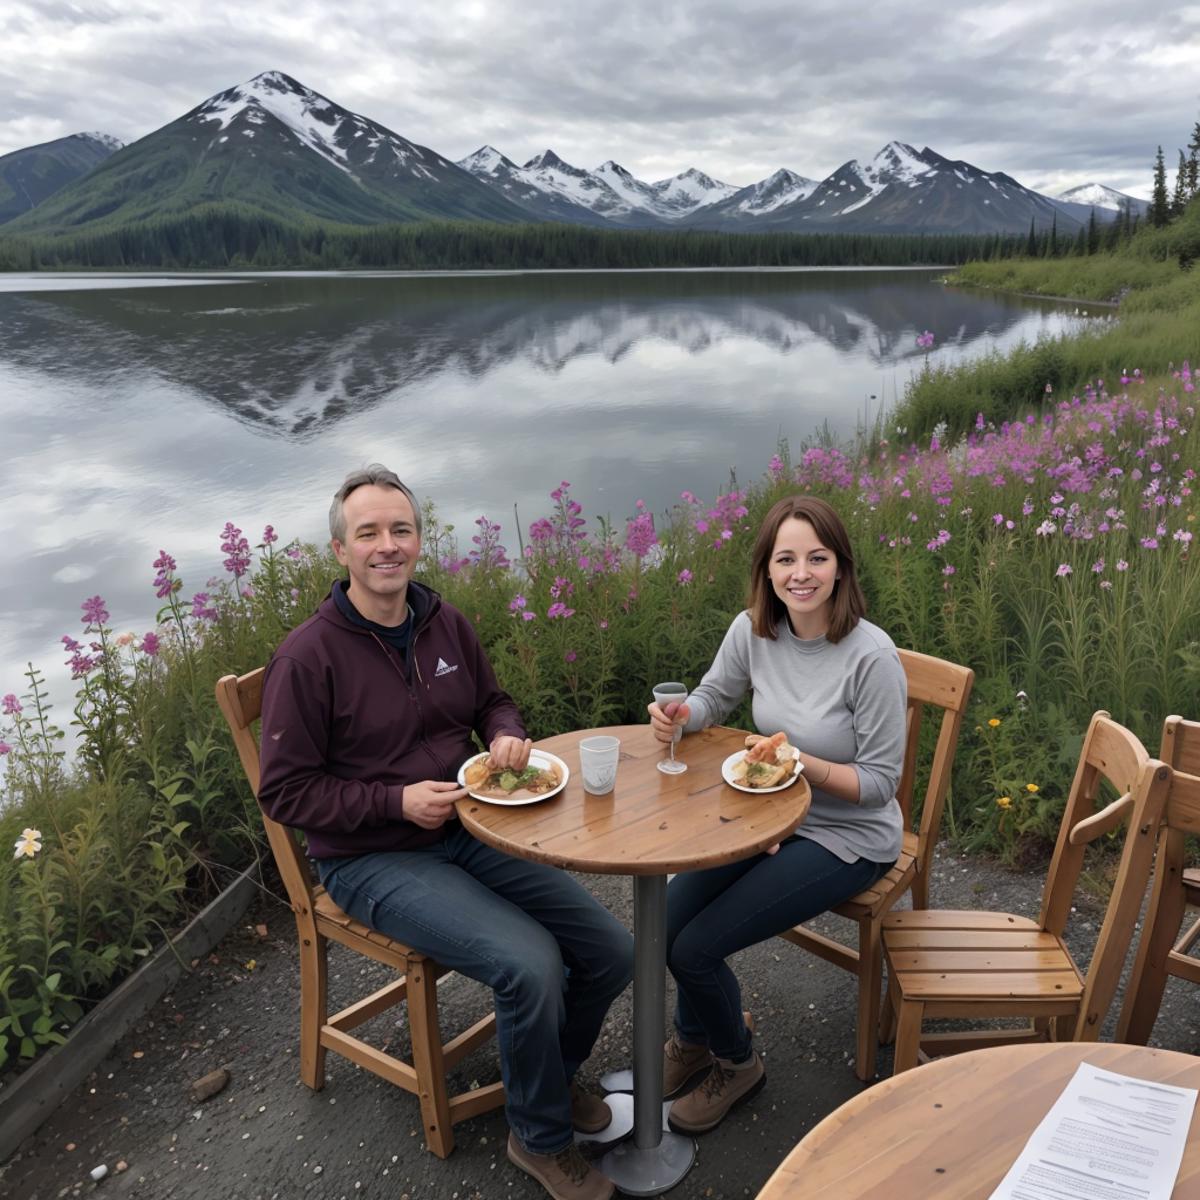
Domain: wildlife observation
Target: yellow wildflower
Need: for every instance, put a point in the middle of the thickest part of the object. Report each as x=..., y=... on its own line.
x=250, y=964
x=1003, y=801
x=994, y=721
x=1031, y=787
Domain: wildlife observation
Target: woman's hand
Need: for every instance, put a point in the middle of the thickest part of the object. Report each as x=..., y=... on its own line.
x=667, y=719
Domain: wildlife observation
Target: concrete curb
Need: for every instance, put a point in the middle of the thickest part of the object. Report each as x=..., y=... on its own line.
x=36, y=1093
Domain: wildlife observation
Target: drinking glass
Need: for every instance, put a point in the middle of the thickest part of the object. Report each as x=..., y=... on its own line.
x=664, y=694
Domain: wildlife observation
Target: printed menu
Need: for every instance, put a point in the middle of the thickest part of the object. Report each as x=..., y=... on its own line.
x=1108, y=1137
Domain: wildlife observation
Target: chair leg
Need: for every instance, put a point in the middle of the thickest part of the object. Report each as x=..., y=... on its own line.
x=1164, y=914
x=870, y=978
x=908, y=1035
x=312, y=1009
x=887, y=1015
x=427, y=1055
x=920, y=890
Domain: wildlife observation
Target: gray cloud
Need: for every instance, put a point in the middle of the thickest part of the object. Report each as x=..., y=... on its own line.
x=1054, y=94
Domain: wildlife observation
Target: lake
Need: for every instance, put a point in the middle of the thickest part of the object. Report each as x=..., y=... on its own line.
x=142, y=413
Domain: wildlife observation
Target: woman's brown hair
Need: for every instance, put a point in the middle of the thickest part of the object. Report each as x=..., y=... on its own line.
x=849, y=604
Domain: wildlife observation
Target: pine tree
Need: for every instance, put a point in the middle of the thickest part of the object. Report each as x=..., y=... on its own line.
x=1180, y=198
x=1160, y=205
x=1093, y=233
x=1031, y=246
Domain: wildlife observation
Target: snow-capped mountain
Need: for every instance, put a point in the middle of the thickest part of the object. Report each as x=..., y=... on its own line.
x=274, y=146
x=904, y=190
x=1097, y=195
x=547, y=185
x=33, y=174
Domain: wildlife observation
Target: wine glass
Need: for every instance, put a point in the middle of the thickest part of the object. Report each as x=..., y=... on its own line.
x=664, y=694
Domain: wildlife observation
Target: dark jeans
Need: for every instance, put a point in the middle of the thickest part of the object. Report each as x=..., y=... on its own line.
x=713, y=914
x=553, y=956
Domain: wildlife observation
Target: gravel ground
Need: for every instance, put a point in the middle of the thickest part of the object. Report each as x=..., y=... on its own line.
x=267, y=1136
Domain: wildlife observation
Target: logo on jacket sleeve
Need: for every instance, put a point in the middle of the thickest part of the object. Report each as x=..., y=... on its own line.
x=444, y=668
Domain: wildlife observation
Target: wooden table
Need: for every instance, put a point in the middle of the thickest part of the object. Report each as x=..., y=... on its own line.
x=651, y=825
x=951, y=1129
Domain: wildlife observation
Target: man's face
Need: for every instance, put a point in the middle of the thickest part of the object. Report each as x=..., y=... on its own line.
x=380, y=551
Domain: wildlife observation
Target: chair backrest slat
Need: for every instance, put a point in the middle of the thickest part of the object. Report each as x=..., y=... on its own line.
x=1181, y=745
x=943, y=685
x=240, y=700
x=1109, y=752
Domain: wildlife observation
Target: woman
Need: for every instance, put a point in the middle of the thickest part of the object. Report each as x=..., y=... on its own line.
x=833, y=683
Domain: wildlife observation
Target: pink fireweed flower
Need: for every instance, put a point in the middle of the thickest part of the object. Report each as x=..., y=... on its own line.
x=94, y=612
x=237, y=548
x=684, y=576
x=1148, y=543
x=603, y=624
x=1122, y=565
x=561, y=587
x=1046, y=528
x=201, y=609
x=517, y=603
x=5, y=748
x=775, y=466
x=1063, y=569
x=10, y=705
x=570, y=656
x=925, y=340
x=269, y=536
x=948, y=569
x=1098, y=567
x=1183, y=535
x=1106, y=584
x=528, y=616
x=943, y=536
x=559, y=609
x=150, y=644
x=164, y=581
x=293, y=551
x=640, y=535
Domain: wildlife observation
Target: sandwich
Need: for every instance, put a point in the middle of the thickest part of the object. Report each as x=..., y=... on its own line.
x=768, y=762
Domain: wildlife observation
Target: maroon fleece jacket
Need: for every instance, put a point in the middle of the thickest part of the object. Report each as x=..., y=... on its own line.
x=345, y=728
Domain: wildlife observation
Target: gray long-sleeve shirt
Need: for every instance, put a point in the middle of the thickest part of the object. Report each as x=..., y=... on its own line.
x=842, y=702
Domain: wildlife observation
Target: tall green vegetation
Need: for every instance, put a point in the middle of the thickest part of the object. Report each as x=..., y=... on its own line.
x=1152, y=277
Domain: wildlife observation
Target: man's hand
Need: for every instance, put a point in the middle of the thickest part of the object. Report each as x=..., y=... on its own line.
x=430, y=803
x=668, y=721
x=508, y=752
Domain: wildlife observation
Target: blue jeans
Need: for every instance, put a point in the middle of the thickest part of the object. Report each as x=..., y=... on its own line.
x=713, y=914
x=514, y=925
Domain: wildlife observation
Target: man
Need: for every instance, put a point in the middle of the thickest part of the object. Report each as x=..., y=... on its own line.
x=368, y=710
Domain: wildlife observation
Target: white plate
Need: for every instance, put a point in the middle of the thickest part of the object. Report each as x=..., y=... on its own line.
x=537, y=758
x=737, y=756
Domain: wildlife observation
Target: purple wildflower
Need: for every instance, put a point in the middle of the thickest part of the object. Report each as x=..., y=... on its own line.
x=237, y=549
x=684, y=576
x=94, y=612
x=517, y=603
x=570, y=656
x=559, y=609
x=164, y=581
x=5, y=748
x=640, y=535
x=270, y=537
x=1063, y=569
x=10, y=705
x=925, y=340
x=150, y=644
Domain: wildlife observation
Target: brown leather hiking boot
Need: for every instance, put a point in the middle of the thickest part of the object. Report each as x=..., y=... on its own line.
x=725, y=1087
x=565, y=1175
x=589, y=1113
x=684, y=1063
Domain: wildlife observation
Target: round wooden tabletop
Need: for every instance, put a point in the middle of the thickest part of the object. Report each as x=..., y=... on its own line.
x=650, y=823
x=951, y=1129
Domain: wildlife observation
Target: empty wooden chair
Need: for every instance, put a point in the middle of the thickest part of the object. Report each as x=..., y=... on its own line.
x=1175, y=889
x=944, y=687
x=320, y=921
x=985, y=965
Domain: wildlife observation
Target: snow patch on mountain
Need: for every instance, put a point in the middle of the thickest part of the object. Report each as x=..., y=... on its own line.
x=105, y=139
x=688, y=191
x=783, y=187
x=1097, y=195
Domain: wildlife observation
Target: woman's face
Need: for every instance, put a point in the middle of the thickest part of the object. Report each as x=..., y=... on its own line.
x=802, y=574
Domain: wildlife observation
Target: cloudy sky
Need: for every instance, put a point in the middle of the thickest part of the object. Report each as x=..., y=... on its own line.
x=1055, y=92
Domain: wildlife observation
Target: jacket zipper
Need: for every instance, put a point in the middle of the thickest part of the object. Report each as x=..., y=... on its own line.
x=412, y=693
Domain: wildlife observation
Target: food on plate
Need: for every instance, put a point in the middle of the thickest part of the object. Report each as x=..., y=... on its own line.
x=768, y=762
x=483, y=778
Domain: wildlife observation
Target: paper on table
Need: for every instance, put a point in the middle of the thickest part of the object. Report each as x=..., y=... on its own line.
x=1108, y=1137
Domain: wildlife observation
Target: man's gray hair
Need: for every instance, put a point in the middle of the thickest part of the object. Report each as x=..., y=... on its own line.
x=380, y=476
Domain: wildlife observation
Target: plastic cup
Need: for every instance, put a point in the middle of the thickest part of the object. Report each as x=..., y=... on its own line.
x=598, y=762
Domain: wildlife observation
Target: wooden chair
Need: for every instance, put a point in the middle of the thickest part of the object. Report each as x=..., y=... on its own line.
x=1175, y=889
x=320, y=921
x=986, y=965
x=943, y=686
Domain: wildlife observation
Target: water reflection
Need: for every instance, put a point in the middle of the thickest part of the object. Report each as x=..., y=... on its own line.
x=296, y=356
